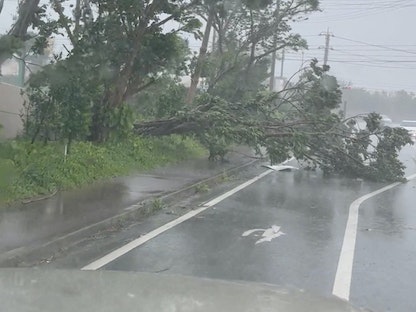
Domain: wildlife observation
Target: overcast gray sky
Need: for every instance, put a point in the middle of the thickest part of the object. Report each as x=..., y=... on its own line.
x=373, y=44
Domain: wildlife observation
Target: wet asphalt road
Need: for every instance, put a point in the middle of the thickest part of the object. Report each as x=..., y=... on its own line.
x=384, y=272
x=37, y=222
x=312, y=213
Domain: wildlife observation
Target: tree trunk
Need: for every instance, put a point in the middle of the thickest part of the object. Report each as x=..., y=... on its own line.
x=77, y=15
x=201, y=58
x=114, y=95
x=121, y=84
x=98, y=122
x=253, y=43
x=26, y=14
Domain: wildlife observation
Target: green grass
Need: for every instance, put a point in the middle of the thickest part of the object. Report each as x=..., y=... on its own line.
x=201, y=188
x=28, y=170
x=157, y=204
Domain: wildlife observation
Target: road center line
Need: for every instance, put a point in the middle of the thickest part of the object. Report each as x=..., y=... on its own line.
x=342, y=283
x=99, y=263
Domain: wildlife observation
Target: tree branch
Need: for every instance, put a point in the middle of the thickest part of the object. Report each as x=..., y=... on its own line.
x=60, y=11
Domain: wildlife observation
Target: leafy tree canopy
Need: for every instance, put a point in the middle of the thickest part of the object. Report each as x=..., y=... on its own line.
x=125, y=63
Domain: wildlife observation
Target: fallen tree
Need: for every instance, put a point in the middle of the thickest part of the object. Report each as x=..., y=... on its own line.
x=121, y=50
x=303, y=120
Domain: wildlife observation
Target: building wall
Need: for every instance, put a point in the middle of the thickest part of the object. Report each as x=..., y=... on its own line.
x=11, y=105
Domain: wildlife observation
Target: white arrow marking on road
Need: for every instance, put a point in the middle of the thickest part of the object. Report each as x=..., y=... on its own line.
x=99, y=263
x=342, y=283
x=268, y=234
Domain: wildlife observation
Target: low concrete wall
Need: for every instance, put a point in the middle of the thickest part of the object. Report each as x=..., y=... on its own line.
x=11, y=106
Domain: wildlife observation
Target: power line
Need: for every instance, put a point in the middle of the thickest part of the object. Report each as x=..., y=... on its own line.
x=350, y=10
x=11, y=113
x=372, y=65
x=376, y=45
x=374, y=59
x=362, y=63
x=368, y=4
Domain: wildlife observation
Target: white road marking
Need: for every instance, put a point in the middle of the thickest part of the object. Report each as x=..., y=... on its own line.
x=342, y=283
x=268, y=234
x=99, y=263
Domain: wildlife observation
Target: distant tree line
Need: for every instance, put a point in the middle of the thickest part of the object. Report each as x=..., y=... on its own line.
x=397, y=105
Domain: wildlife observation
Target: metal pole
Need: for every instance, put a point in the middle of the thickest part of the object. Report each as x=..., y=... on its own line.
x=273, y=65
x=282, y=63
x=327, y=36
x=272, y=71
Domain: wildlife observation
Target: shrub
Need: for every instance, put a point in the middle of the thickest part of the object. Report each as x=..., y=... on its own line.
x=42, y=169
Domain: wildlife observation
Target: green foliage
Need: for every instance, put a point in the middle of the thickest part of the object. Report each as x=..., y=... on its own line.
x=157, y=204
x=115, y=54
x=123, y=51
x=248, y=34
x=370, y=154
x=59, y=105
x=385, y=165
x=238, y=83
x=225, y=177
x=217, y=145
x=42, y=169
x=9, y=45
x=7, y=170
x=161, y=100
x=312, y=131
x=337, y=147
x=201, y=188
x=120, y=122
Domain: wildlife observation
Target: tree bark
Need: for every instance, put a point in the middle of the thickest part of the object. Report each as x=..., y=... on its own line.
x=201, y=58
x=169, y=126
x=77, y=15
x=1, y=5
x=26, y=14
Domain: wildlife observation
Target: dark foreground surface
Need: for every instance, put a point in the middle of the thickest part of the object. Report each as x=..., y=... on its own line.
x=48, y=291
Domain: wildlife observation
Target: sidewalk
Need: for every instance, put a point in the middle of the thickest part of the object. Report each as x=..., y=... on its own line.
x=35, y=224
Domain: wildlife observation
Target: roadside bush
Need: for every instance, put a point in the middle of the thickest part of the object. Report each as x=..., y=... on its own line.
x=43, y=169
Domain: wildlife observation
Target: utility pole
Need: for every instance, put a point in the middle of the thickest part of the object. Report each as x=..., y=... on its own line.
x=273, y=65
x=272, y=72
x=327, y=35
x=282, y=63
x=22, y=71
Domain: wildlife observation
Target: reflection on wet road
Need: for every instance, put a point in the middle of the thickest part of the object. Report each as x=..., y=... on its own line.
x=312, y=213
x=39, y=221
x=61, y=212
x=384, y=271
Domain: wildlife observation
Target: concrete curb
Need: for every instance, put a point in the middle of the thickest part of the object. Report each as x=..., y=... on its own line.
x=31, y=255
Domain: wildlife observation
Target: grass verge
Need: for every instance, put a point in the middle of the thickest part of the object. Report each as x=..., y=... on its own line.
x=27, y=170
